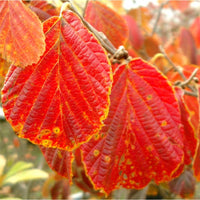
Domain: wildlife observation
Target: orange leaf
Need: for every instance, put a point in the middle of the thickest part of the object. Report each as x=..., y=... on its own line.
x=188, y=46
x=3, y=67
x=142, y=17
x=62, y=100
x=142, y=137
x=22, y=40
x=135, y=35
x=151, y=44
x=107, y=21
x=180, y=5
x=195, y=30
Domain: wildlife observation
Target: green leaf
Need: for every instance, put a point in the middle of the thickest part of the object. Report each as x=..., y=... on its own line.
x=31, y=174
x=18, y=167
x=2, y=164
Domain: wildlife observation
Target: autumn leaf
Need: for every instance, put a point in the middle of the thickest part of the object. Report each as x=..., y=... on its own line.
x=107, y=21
x=151, y=44
x=44, y=9
x=142, y=136
x=195, y=30
x=62, y=100
x=22, y=40
x=196, y=165
x=142, y=17
x=59, y=160
x=135, y=35
x=188, y=46
x=4, y=65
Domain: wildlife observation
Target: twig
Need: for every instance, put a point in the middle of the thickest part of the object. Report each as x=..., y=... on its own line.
x=186, y=82
x=172, y=64
x=99, y=35
x=191, y=78
x=158, y=16
x=194, y=94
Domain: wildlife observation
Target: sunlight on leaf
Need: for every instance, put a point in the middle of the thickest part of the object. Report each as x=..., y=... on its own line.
x=26, y=175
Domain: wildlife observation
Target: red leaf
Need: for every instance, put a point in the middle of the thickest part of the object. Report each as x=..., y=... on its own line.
x=190, y=138
x=196, y=165
x=59, y=160
x=107, y=21
x=79, y=175
x=43, y=9
x=62, y=100
x=22, y=40
x=135, y=35
x=142, y=136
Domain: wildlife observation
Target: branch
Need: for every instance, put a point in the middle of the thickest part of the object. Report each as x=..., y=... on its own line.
x=186, y=82
x=116, y=55
x=158, y=16
x=172, y=64
x=191, y=78
x=99, y=35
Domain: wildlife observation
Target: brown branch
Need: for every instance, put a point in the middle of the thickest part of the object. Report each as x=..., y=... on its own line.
x=191, y=78
x=194, y=94
x=186, y=82
x=99, y=35
x=172, y=64
x=158, y=16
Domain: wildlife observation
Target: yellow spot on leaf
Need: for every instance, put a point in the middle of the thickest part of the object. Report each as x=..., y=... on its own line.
x=45, y=132
x=96, y=137
x=96, y=152
x=125, y=176
x=164, y=123
x=149, y=97
x=128, y=162
x=94, y=172
x=149, y=148
x=56, y=130
x=18, y=127
x=107, y=159
x=47, y=143
x=133, y=174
